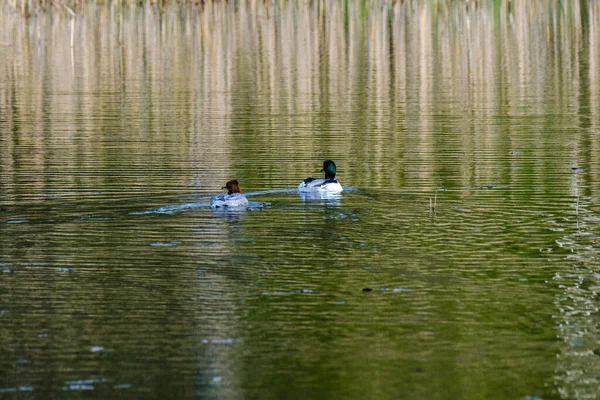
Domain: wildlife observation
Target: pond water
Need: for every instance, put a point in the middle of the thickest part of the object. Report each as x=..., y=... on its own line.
x=460, y=262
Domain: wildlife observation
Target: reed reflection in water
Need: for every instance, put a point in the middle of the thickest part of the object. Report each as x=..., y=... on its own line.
x=117, y=280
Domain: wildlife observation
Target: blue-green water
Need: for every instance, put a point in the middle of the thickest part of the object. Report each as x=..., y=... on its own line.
x=461, y=261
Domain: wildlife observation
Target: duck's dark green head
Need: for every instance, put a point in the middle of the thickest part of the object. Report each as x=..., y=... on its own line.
x=329, y=169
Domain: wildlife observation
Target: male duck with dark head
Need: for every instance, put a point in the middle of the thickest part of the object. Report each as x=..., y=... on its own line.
x=233, y=198
x=327, y=184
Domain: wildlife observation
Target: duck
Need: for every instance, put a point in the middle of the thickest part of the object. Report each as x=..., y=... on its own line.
x=233, y=198
x=327, y=184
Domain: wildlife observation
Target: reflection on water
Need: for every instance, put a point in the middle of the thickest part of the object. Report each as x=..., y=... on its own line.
x=116, y=277
x=578, y=360
x=321, y=197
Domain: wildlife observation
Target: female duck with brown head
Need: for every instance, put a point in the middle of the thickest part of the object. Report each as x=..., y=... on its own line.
x=328, y=184
x=233, y=198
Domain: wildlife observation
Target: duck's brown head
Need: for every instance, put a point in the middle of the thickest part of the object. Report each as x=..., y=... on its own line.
x=233, y=187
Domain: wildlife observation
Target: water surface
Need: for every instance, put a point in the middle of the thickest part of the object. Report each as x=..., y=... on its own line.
x=460, y=263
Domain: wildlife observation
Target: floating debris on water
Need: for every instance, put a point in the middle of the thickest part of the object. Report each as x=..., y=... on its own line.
x=385, y=289
x=77, y=387
x=401, y=290
x=220, y=341
x=485, y=187
x=277, y=293
x=164, y=244
x=122, y=386
x=16, y=389
x=281, y=293
x=395, y=290
x=87, y=381
x=82, y=384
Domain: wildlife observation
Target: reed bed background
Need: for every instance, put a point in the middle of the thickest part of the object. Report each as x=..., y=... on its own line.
x=384, y=68
x=29, y=8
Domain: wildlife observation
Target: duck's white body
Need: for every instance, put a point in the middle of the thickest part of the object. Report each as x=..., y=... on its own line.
x=320, y=185
x=233, y=198
x=229, y=200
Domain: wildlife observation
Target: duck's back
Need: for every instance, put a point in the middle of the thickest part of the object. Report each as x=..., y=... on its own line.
x=229, y=200
x=329, y=185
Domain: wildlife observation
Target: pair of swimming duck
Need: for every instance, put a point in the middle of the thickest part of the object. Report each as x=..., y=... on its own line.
x=235, y=198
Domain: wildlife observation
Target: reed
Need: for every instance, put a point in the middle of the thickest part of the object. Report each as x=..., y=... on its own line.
x=30, y=8
x=577, y=189
x=433, y=205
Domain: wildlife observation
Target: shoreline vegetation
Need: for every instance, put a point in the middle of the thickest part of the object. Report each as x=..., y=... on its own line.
x=32, y=8
x=71, y=8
